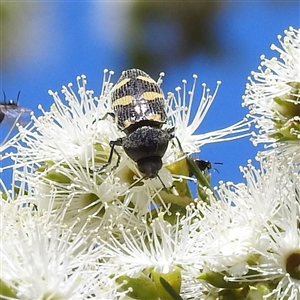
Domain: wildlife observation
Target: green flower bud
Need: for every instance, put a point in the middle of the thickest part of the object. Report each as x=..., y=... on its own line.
x=57, y=177
x=217, y=280
x=141, y=288
x=258, y=292
x=287, y=114
x=173, y=279
x=238, y=294
x=6, y=291
x=180, y=167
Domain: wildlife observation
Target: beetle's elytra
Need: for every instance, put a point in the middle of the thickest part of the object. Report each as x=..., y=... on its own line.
x=140, y=112
x=137, y=100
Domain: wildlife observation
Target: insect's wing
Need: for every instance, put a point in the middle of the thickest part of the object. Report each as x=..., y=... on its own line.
x=11, y=114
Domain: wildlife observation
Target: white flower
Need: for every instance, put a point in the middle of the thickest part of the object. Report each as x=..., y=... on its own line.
x=278, y=262
x=229, y=237
x=161, y=248
x=69, y=131
x=41, y=259
x=273, y=93
x=11, y=114
x=255, y=238
x=181, y=112
x=64, y=155
x=159, y=245
x=281, y=261
x=265, y=189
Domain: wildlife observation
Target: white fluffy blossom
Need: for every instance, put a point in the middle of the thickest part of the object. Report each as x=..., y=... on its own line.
x=42, y=259
x=75, y=227
x=254, y=236
x=65, y=150
x=273, y=92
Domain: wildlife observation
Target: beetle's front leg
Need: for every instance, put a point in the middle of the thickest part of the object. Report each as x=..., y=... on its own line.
x=112, y=144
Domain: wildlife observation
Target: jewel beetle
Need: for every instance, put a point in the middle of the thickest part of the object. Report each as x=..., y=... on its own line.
x=139, y=108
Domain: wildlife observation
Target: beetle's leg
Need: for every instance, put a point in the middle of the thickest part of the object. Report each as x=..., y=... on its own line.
x=179, y=145
x=111, y=114
x=173, y=136
x=112, y=144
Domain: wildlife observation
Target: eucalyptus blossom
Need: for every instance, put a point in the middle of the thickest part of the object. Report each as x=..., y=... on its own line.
x=79, y=221
x=273, y=92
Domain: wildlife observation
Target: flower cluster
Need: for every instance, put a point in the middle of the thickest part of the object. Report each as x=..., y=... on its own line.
x=74, y=226
x=273, y=93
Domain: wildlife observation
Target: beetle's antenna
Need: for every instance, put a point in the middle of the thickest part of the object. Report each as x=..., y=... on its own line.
x=136, y=182
x=145, y=177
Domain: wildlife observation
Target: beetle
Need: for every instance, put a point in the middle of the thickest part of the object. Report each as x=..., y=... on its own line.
x=139, y=108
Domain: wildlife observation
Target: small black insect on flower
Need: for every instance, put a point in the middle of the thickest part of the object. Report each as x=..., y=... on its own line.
x=204, y=165
x=139, y=108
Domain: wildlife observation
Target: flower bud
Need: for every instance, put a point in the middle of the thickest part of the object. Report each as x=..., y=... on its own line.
x=173, y=278
x=141, y=288
x=6, y=291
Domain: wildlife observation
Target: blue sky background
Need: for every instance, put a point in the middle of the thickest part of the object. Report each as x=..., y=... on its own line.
x=67, y=39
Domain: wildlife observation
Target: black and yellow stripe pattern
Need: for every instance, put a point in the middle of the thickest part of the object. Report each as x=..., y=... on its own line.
x=136, y=97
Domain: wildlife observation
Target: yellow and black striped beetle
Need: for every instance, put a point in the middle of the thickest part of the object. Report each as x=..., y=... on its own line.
x=139, y=108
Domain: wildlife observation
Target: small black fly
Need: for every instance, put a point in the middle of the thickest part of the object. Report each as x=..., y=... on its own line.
x=204, y=165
